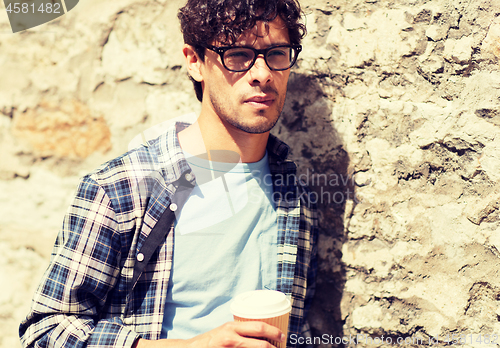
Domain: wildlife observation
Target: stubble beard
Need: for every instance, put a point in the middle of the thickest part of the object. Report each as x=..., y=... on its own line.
x=227, y=114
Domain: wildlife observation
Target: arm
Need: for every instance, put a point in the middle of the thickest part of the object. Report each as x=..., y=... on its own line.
x=84, y=267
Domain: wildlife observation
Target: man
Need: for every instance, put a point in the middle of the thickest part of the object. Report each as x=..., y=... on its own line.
x=158, y=240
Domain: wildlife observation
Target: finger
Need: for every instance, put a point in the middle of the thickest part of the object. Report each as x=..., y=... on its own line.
x=259, y=329
x=257, y=343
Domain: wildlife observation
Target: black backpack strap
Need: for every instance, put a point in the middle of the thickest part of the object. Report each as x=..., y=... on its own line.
x=163, y=225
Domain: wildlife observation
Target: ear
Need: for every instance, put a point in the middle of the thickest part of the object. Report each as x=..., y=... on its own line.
x=193, y=62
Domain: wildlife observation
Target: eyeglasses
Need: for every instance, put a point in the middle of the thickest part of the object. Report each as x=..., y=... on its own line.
x=238, y=59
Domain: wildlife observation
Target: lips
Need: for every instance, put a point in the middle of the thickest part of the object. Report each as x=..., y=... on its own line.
x=260, y=101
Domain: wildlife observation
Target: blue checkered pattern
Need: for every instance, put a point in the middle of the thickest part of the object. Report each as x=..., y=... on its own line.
x=86, y=297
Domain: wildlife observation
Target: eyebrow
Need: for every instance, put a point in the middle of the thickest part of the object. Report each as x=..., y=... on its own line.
x=272, y=45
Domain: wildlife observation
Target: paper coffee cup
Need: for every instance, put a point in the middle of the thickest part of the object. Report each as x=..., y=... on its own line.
x=269, y=306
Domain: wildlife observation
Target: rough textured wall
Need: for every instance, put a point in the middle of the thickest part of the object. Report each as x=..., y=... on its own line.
x=393, y=114
x=414, y=95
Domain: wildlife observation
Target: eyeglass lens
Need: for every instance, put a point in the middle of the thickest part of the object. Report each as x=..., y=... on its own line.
x=241, y=58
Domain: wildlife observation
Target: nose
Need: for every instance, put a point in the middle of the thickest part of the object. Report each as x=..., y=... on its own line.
x=260, y=72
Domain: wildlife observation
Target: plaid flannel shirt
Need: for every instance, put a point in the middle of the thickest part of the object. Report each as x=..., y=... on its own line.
x=89, y=297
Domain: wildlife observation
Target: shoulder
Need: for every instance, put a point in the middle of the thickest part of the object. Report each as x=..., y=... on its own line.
x=154, y=150
x=132, y=164
x=278, y=152
x=125, y=180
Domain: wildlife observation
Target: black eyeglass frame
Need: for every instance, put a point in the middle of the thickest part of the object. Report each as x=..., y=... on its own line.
x=222, y=50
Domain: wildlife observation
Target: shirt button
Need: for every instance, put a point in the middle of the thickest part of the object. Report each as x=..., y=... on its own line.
x=188, y=176
x=140, y=257
x=173, y=207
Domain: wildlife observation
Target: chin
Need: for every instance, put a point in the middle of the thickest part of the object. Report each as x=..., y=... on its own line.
x=259, y=128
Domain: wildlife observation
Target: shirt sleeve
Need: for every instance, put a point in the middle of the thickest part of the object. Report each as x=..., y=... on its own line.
x=84, y=267
x=305, y=268
x=313, y=269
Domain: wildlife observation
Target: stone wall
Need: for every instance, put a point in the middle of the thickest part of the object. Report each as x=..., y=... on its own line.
x=393, y=114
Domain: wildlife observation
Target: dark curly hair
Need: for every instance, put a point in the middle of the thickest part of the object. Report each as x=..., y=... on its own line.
x=206, y=21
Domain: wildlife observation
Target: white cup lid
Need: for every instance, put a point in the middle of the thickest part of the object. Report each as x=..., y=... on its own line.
x=260, y=304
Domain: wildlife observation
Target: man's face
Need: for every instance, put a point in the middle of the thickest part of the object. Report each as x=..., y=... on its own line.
x=250, y=101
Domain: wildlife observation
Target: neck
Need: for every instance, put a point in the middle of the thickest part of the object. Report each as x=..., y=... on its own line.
x=211, y=133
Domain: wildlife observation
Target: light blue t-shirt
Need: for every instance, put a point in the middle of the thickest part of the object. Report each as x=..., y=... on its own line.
x=225, y=243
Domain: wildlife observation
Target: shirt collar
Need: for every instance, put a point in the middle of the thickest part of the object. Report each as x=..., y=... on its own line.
x=278, y=150
x=171, y=161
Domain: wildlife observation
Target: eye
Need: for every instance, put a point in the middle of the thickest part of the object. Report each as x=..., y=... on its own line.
x=239, y=53
x=278, y=52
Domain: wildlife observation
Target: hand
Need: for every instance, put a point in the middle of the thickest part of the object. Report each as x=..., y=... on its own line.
x=248, y=334
x=238, y=334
